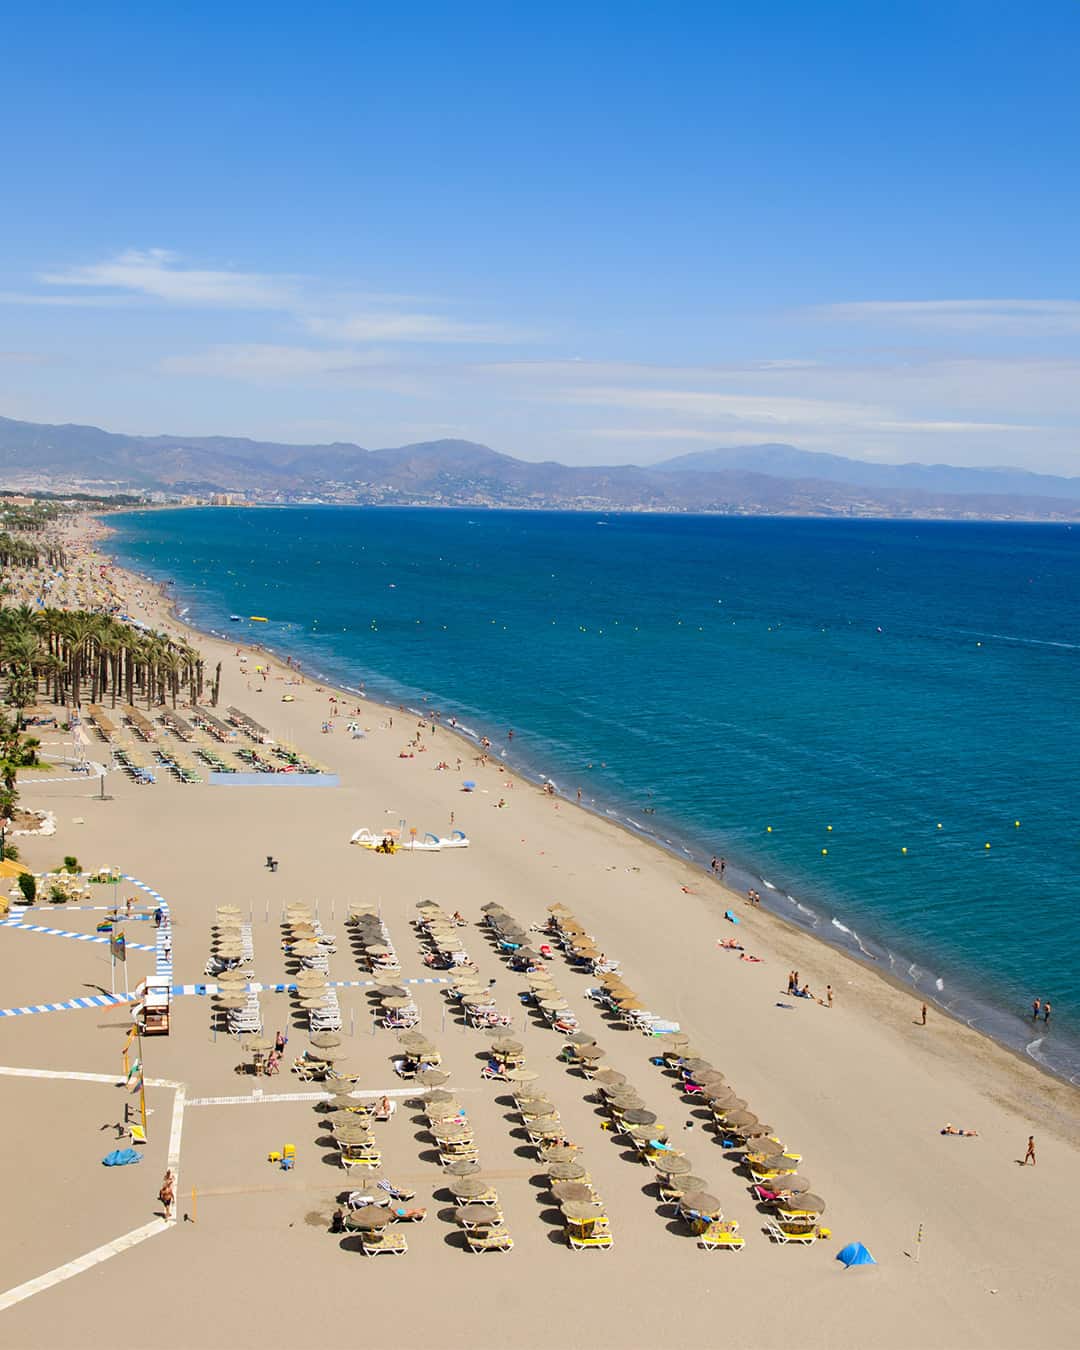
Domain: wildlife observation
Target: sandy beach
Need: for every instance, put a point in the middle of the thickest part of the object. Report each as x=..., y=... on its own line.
x=861, y=1089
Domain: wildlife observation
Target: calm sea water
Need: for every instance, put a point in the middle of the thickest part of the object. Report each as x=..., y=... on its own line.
x=808, y=698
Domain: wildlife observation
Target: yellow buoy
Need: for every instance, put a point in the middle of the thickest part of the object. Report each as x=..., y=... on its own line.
x=1016, y=823
x=768, y=829
x=824, y=852
x=939, y=824
x=903, y=850
x=828, y=827
x=986, y=845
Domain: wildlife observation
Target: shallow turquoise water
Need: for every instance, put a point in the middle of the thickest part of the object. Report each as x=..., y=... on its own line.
x=913, y=686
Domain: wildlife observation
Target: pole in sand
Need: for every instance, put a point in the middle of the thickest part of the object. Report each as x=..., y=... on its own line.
x=918, y=1243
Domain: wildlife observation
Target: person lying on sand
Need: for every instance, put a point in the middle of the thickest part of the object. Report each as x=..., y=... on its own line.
x=966, y=1134
x=730, y=945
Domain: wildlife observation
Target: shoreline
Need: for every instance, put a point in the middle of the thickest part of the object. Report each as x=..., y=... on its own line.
x=971, y=1014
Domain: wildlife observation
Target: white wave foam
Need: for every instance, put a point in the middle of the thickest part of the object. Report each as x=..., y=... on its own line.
x=939, y=984
x=765, y=882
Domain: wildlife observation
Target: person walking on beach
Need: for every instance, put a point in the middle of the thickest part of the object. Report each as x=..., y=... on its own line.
x=723, y=867
x=167, y=1194
x=1046, y=1013
x=828, y=994
x=1030, y=1154
x=923, y=1023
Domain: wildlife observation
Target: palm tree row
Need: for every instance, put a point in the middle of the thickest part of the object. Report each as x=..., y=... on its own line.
x=76, y=656
x=17, y=552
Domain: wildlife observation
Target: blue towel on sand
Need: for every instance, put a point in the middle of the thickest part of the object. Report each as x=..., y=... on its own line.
x=120, y=1157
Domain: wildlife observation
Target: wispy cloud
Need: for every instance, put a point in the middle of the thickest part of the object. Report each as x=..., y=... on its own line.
x=1022, y=318
x=267, y=363
x=161, y=275
x=388, y=326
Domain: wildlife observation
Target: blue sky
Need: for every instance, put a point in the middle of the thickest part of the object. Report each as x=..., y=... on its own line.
x=591, y=232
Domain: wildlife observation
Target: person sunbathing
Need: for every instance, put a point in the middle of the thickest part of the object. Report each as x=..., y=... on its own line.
x=729, y=944
x=966, y=1134
x=416, y=1214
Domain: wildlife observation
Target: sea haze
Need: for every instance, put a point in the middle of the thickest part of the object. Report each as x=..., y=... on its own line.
x=911, y=686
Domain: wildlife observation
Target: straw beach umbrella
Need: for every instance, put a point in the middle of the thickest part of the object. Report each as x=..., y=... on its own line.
x=468, y=1188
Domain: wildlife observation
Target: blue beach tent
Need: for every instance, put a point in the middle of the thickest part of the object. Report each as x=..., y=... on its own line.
x=855, y=1254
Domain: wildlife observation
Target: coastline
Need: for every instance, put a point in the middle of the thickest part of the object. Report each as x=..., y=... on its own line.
x=961, y=1006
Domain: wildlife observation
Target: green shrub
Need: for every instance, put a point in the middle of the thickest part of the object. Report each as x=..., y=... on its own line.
x=71, y=864
x=57, y=894
x=28, y=886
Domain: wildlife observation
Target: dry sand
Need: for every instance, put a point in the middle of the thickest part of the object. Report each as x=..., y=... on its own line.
x=860, y=1090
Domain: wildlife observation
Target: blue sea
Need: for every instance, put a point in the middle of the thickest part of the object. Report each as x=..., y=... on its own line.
x=848, y=711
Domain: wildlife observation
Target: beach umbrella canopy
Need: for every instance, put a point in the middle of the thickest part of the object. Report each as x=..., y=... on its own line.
x=793, y=1184
x=414, y=1040
x=395, y=1002
x=477, y=1216
x=453, y=1131
x=684, y=1184
x=725, y=1100
x=546, y=1126
x=521, y=1075
x=805, y=1204
x=256, y=1044
x=504, y=1045
x=701, y=1202
x=432, y=1078
x=572, y=1192
x=309, y=977
x=437, y=1097
x=590, y=1052
x=442, y=1110
x=391, y=991
x=580, y=1038
x=461, y=1167
x=480, y=1000
x=631, y=1005
x=378, y=949
x=622, y=1094
x=695, y=1065
x=228, y=909
x=355, y=1136
x=673, y=1040
x=231, y=1001
x=636, y=1116
x=371, y=1216
x=558, y=1153
x=578, y=1211
x=855, y=1254
x=538, y=1105
x=326, y=1040
x=671, y=1164
x=708, y=1078
x=342, y=1117
x=322, y=1056
x=608, y=1078
x=565, y=1171
x=231, y=977
x=774, y=1162
x=468, y=1188
x=305, y=947
x=554, y=1004
x=738, y=1120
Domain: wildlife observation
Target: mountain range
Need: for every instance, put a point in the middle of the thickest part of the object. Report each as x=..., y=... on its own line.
x=753, y=479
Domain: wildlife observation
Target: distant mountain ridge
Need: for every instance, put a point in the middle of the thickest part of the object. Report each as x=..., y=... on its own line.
x=787, y=461
x=772, y=479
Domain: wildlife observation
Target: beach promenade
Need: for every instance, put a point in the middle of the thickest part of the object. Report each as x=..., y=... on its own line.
x=861, y=1090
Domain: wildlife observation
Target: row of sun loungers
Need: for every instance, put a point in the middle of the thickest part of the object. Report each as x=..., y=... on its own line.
x=308, y=949
x=232, y=953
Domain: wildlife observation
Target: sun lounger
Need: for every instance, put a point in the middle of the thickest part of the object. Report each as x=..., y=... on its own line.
x=721, y=1235
x=376, y=1242
x=596, y=1234
x=804, y=1237
x=488, y=1240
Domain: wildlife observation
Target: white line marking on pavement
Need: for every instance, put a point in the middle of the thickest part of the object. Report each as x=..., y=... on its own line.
x=271, y=1097
x=65, y=1272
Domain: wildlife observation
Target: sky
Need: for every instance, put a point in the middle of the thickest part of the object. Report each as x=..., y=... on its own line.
x=591, y=232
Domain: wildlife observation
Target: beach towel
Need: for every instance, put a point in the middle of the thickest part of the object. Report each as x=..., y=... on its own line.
x=731, y=918
x=120, y=1157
